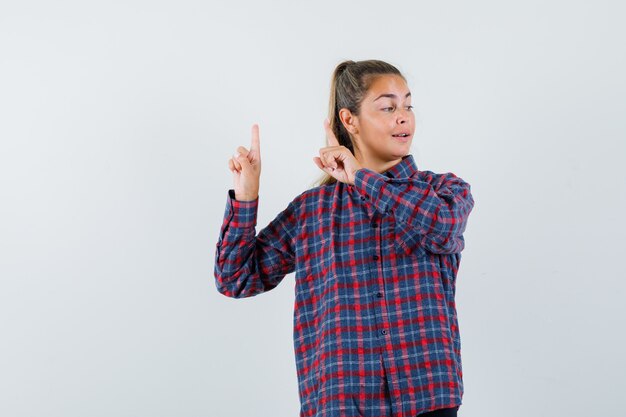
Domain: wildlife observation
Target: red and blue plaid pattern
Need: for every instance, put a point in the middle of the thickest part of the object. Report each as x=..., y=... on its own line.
x=375, y=323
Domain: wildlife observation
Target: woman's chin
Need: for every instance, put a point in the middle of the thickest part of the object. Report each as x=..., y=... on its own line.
x=400, y=139
x=402, y=146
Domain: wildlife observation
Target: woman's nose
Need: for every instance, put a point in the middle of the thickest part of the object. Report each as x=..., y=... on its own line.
x=403, y=116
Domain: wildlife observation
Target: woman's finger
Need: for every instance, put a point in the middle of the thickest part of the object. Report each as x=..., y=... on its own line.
x=234, y=165
x=330, y=158
x=237, y=164
x=330, y=135
x=244, y=151
x=318, y=162
x=324, y=158
x=321, y=166
x=255, y=145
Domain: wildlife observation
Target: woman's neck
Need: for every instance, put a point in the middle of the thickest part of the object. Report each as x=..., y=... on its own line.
x=376, y=164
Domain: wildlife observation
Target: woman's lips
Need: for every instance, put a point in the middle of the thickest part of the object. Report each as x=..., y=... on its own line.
x=402, y=139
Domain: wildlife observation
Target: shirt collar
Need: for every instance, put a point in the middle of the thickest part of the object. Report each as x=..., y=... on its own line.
x=403, y=169
x=406, y=168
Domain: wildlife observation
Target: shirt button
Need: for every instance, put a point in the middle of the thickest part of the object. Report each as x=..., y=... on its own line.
x=374, y=224
x=384, y=331
x=375, y=257
x=379, y=294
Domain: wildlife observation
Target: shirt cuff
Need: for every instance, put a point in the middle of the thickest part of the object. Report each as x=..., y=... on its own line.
x=369, y=183
x=241, y=214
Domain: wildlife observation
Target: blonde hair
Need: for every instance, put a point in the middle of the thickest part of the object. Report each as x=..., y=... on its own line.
x=349, y=84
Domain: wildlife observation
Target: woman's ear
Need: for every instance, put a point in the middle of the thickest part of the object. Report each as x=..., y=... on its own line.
x=350, y=122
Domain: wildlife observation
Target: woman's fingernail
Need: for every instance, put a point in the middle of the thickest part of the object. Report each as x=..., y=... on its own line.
x=236, y=155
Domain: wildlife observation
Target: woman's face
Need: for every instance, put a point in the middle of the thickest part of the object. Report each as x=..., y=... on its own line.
x=386, y=111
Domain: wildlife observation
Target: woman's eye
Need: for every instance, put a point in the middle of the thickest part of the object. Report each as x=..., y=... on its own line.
x=391, y=108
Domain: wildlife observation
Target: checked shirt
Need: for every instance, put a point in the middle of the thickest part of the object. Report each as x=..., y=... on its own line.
x=375, y=324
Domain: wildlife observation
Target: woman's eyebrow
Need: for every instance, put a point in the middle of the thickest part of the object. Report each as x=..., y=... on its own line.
x=391, y=95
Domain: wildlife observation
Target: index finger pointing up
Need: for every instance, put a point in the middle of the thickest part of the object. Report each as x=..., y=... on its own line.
x=255, y=145
x=330, y=135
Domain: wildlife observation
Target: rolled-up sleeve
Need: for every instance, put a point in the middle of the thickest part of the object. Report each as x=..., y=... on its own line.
x=433, y=208
x=247, y=264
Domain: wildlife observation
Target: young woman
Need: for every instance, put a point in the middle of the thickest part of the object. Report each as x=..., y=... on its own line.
x=376, y=248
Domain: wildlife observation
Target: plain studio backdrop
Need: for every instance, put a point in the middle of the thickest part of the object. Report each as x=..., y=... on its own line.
x=117, y=120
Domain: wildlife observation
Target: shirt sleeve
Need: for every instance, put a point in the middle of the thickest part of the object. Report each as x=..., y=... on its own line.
x=432, y=209
x=247, y=264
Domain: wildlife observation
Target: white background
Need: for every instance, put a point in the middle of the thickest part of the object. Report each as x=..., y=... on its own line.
x=117, y=120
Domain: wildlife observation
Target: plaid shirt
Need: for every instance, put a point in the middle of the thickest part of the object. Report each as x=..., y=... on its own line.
x=375, y=323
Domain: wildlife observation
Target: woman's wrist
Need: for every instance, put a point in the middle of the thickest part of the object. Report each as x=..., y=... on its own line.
x=245, y=197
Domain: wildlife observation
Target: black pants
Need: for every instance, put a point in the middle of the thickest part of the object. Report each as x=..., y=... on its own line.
x=442, y=412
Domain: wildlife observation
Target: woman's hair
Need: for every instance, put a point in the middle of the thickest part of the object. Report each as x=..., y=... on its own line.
x=349, y=84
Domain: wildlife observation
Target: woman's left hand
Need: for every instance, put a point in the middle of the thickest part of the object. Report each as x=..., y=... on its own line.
x=337, y=160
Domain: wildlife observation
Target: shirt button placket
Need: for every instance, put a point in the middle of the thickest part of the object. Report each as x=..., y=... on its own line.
x=378, y=294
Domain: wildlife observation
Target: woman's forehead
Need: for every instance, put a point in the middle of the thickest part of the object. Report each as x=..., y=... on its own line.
x=391, y=86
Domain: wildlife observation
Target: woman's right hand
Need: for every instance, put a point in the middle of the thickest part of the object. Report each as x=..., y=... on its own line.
x=246, y=168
